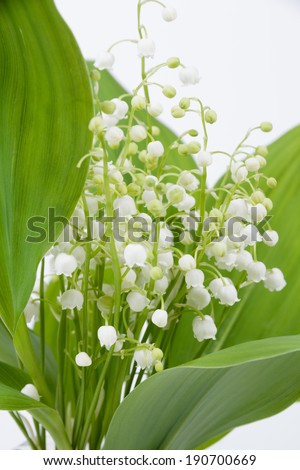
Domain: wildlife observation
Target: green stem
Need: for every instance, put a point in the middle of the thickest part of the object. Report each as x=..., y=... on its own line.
x=42, y=315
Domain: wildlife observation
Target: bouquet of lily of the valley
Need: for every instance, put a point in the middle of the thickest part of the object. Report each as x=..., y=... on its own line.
x=142, y=265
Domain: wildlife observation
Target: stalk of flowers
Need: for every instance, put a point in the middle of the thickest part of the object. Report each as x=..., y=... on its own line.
x=149, y=242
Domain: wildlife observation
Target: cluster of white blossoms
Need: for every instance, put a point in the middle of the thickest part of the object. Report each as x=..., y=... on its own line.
x=150, y=242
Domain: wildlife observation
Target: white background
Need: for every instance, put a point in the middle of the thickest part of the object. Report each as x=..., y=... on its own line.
x=247, y=52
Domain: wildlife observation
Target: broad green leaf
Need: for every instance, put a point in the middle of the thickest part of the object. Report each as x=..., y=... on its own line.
x=7, y=350
x=46, y=104
x=188, y=406
x=109, y=88
x=13, y=377
x=12, y=400
x=262, y=314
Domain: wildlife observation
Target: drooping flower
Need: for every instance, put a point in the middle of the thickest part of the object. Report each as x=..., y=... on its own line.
x=198, y=297
x=169, y=13
x=187, y=262
x=82, y=359
x=105, y=60
x=113, y=136
x=160, y=318
x=256, y=271
x=204, y=328
x=65, y=264
x=137, y=301
x=270, y=237
x=146, y=48
x=143, y=358
x=155, y=149
x=138, y=133
x=189, y=76
x=228, y=295
x=274, y=280
x=125, y=206
x=107, y=336
x=155, y=109
x=204, y=159
x=194, y=278
x=71, y=299
x=135, y=254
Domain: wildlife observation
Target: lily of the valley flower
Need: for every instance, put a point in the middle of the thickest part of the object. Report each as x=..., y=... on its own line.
x=204, y=328
x=71, y=299
x=107, y=336
x=82, y=359
x=31, y=391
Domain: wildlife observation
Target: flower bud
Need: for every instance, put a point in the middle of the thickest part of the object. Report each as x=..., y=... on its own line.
x=105, y=303
x=160, y=318
x=183, y=149
x=146, y=48
x=95, y=75
x=159, y=366
x=169, y=13
x=204, y=159
x=262, y=161
x=219, y=249
x=107, y=336
x=138, y=102
x=271, y=183
x=125, y=206
x=268, y=204
x=132, y=148
x=108, y=107
x=177, y=112
x=193, y=133
x=151, y=181
x=151, y=162
x=155, y=131
x=252, y=164
x=105, y=60
x=96, y=125
x=262, y=150
x=115, y=177
x=138, y=133
x=175, y=194
x=155, y=207
x=169, y=91
x=161, y=188
x=31, y=391
x=121, y=189
x=155, y=109
x=173, y=62
x=155, y=149
x=157, y=354
x=266, y=126
x=258, y=196
x=156, y=273
x=143, y=156
x=133, y=190
x=211, y=116
x=113, y=136
x=189, y=76
x=82, y=359
x=194, y=147
x=185, y=103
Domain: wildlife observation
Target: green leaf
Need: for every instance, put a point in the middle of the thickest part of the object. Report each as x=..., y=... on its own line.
x=7, y=350
x=12, y=400
x=109, y=88
x=13, y=377
x=191, y=405
x=261, y=314
x=46, y=104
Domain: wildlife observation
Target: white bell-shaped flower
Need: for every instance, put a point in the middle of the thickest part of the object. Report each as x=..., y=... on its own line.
x=198, y=297
x=204, y=328
x=155, y=109
x=155, y=148
x=138, y=133
x=79, y=253
x=65, y=264
x=121, y=108
x=194, y=278
x=82, y=359
x=188, y=181
x=96, y=125
x=216, y=284
x=250, y=235
x=113, y=136
x=169, y=13
x=165, y=260
x=239, y=172
x=135, y=254
x=105, y=60
x=137, y=301
x=243, y=259
x=258, y=212
x=270, y=237
x=274, y=280
x=32, y=310
x=226, y=262
x=166, y=237
x=125, y=206
x=107, y=336
x=252, y=164
x=119, y=344
x=204, y=159
x=186, y=204
x=31, y=391
x=189, y=76
x=149, y=195
x=256, y=271
x=161, y=285
x=146, y=48
x=160, y=318
x=71, y=298
x=187, y=262
x=129, y=279
x=143, y=358
x=238, y=208
x=228, y=295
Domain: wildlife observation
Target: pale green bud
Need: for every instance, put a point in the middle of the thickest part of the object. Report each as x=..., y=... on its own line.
x=176, y=195
x=140, y=179
x=173, y=62
x=262, y=161
x=271, y=183
x=266, y=126
x=185, y=103
x=121, y=188
x=115, y=177
x=151, y=162
x=95, y=75
x=183, y=149
x=133, y=148
x=151, y=181
x=157, y=354
x=155, y=131
x=156, y=273
x=138, y=102
x=133, y=189
x=143, y=156
x=211, y=116
x=159, y=367
x=98, y=179
x=186, y=239
x=194, y=147
x=262, y=150
x=105, y=303
x=216, y=213
x=258, y=197
x=219, y=249
x=193, y=133
x=161, y=188
x=169, y=91
x=96, y=125
x=268, y=204
x=177, y=112
x=108, y=107
x=155, y=207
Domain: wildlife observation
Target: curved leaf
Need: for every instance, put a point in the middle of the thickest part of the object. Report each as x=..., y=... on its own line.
x=262, y=314
x=46, y=104
x=188, y=406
